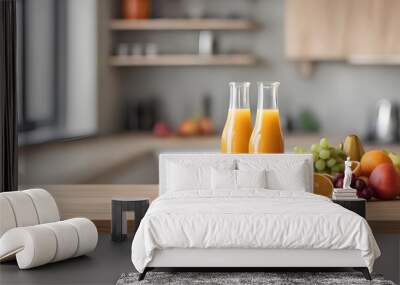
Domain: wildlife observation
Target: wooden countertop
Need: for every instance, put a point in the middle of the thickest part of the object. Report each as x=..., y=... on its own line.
x=82, y=161
x=94, y=202
x=85, y=159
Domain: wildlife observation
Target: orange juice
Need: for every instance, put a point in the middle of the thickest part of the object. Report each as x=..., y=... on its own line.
x=237, y=131
x=267, y=134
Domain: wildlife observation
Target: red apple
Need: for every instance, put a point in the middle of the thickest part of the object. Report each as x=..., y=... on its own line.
x=162, y=129
x=385, y=181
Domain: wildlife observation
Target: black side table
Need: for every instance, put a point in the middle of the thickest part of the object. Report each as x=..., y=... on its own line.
x=119, y=208
x=355, y=205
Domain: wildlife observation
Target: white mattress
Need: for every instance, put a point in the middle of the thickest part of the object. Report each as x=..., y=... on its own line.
x=250, y=219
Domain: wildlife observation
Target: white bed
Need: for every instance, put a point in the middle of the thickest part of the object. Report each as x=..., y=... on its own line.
x=197, y=222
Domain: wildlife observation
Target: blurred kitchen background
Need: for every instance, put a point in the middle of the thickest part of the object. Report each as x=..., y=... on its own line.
x=101, y=92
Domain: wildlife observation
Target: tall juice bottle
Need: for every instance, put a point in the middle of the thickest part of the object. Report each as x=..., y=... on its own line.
x=267, y=136
x=236, y=134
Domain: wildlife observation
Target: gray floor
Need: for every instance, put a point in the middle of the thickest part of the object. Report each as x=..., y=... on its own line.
x=110, y=260
x=103, y=266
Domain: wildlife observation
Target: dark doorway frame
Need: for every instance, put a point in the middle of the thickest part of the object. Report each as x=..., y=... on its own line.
x=8, y=97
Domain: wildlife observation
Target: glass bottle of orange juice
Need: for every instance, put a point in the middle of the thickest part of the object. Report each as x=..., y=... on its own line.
x=236, y=134
x=267, y=134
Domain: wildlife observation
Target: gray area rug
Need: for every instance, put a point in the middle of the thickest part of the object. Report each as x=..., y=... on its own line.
x=229, y=278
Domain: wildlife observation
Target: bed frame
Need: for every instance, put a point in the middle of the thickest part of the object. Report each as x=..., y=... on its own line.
x=236, y=259
x=260, y=259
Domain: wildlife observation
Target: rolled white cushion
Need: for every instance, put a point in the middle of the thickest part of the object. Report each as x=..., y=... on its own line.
x=7, y=218
x=33, y=246
x=23, y=208
x=37, y=245
x=46, y=207
x=87, y=235
x=67, y=240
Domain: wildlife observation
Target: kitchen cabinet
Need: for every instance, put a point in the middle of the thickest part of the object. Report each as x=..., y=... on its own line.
x=374, y=28
x=316, y=29
x=355, y=30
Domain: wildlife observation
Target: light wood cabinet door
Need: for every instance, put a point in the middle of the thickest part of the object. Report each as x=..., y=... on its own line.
x=316, y=29
x=343, y=30
x=374, y=28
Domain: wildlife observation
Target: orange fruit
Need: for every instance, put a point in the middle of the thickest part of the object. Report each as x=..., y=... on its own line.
x=356, y=168
x=372, y=159
x=322, y=185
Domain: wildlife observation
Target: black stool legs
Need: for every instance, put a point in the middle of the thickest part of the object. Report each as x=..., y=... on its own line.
x=119, y=207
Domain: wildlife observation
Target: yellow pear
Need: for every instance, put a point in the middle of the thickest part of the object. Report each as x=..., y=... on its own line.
x=353, y=148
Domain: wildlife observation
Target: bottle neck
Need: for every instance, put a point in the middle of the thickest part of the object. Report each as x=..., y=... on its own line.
x=239, y=95
x=268, y=95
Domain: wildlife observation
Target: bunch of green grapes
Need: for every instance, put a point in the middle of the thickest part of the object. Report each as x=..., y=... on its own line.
x=327, y=159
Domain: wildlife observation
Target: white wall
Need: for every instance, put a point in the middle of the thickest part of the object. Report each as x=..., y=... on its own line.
x=81, y=58
x=39, y=54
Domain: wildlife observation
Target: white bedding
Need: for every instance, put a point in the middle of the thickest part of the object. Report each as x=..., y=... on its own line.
x=250, y=218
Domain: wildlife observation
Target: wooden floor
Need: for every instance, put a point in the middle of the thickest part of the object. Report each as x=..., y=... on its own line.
x=103, y=266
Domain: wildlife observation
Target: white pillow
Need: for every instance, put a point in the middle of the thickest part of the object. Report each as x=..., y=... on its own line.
x=293, y=181
x=251, y=178
x=181, y=177
x=184, y=175
x=237, y=179
x=281, y=174
x=223, y=179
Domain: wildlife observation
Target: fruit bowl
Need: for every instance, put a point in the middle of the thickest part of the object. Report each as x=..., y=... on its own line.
x=376, y=173
x=323, y=185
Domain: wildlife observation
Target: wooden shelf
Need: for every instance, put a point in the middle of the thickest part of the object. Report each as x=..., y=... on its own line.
x=183, y=24
x=184, y=60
